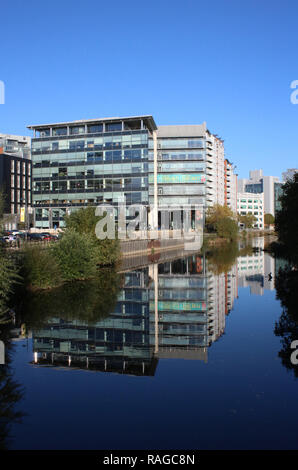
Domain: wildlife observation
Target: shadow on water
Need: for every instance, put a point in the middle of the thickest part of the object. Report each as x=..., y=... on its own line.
x=11, y=393
x=87, y=301
x=286, y=285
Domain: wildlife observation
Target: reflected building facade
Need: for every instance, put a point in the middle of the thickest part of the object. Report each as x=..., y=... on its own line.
x=172, y=309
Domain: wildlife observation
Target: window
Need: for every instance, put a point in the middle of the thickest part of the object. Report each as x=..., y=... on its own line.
x=94, y=128
x=113, y=126
x=59, y=130
x=77, y=130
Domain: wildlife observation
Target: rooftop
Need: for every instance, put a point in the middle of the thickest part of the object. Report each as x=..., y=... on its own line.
x=147, y=118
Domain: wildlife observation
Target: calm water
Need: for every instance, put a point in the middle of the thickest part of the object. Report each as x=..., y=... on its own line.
x=181, y=354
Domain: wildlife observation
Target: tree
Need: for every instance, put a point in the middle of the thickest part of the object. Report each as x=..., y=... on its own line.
x=8, y=277
x=268, y=219
x=227, y=228
x=75, y=254
x=286, y=221
x=40, y=268
x=83, y=221
x=217, y=212
x=248, y=220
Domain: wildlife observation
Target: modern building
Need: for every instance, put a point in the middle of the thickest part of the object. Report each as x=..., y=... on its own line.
x=253, y=204
x=15, y=175
x=89, y=162
x=191, y=169
x=277, y=193
x=132, y=161
x=288, y=175
x=258, y=183
x=181, y=168
x=230, y=186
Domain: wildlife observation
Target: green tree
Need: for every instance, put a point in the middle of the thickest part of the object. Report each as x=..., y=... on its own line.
x=216, y=213
x=8, y=278
x=75, y=254
x=286, y=221
x=269, y=219
x=227, y=228
x=40, y=268
x=83, y=221
x=248, y=220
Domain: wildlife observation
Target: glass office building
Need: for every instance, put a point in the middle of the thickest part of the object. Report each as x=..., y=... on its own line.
x=90, y=162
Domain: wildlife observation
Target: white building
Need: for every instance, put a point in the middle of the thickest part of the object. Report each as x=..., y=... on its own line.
x=249, y=203
x=258, y=183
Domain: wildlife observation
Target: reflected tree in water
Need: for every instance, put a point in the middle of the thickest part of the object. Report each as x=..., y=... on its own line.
x=10, y=394
x=286, y=285
x=88, y=301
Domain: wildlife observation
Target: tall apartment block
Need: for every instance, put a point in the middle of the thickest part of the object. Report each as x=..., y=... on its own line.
x=192, y=169
x=15, y=173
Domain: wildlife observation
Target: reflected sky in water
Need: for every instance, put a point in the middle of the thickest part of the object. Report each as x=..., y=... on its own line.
x=186, y=359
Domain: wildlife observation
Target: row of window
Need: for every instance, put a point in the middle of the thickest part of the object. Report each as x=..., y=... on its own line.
x=119, y=141
x=89, y=128
x=81, y=199
x=15, y=166
x=101, y=183
x=90, y=158
x=178, y=143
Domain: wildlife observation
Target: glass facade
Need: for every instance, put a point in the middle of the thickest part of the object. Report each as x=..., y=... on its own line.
x=181, y=172
x=277, y=193
x=71, y=171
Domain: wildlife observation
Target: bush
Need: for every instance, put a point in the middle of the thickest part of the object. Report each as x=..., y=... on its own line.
x=83, y=221
x=40, y=268
x=75, y=255
x=227, y=228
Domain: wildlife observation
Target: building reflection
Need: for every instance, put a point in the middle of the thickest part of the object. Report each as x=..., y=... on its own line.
x=172, y=309
x=256, y=270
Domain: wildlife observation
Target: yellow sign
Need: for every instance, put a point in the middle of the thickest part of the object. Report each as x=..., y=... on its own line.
x=22, y=214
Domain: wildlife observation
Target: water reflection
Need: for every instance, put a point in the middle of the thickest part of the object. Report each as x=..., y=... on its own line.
x=11, y=393
x=126, y=322
x=173, y=309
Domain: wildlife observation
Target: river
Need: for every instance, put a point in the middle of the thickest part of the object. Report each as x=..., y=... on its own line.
x=182, y=354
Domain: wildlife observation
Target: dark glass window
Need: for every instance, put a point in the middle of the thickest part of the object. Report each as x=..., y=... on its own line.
x=77, y=145
x=113, y=126
x=94, y=128
x=77, y=130
x=59, y=130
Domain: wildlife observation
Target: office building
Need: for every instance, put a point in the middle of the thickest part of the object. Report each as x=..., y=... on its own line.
x=15, y=175
x=253, y=204
x=89, y=162
x=258, y=183
x=128, y=160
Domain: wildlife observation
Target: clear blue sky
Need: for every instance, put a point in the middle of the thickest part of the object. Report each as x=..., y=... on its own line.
x=227, y=62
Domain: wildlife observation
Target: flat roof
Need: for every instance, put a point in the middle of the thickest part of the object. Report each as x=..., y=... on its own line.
x=150, y=122
x=183, y=130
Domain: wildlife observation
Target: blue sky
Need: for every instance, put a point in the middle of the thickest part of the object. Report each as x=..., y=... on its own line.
x=229, y=63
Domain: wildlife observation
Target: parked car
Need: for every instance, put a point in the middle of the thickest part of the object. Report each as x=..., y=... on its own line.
x=35, y=237
x=49, y=236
